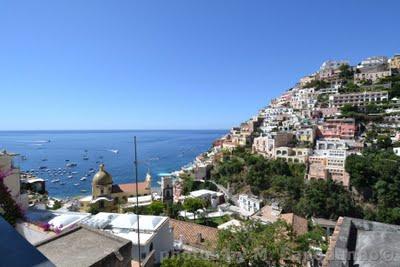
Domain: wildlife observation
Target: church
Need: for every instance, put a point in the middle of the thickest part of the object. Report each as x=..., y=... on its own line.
x=107, y=196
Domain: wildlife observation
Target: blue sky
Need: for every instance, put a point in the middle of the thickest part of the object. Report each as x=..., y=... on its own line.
x=185, y=64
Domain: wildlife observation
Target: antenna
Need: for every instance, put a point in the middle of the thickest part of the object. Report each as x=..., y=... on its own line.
x=137, y=200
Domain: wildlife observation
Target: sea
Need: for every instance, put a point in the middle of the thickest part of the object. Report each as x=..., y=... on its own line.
x=47, y=153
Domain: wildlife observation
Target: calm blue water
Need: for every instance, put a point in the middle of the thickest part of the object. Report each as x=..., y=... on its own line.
x=159, y=151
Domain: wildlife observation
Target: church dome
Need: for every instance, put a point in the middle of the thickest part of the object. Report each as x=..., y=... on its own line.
x=102, y=177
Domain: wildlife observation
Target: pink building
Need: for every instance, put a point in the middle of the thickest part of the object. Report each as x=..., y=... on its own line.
x=338, y=128
x=329, y=112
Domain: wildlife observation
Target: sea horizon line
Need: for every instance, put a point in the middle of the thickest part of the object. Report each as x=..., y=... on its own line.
x=109, y=130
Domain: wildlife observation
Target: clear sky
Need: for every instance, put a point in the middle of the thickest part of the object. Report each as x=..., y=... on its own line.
x=92, y=64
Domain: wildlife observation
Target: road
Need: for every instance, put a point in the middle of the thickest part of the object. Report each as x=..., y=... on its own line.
x=224, y=190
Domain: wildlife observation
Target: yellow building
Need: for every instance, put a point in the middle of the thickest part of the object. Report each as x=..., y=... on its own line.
x=107, y=196
x=395, y=62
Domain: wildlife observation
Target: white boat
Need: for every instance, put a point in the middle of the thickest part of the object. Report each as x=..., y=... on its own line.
x=70, y=176
x=83, y=178
x=76, y=184
x=83, y=190
x=115, y=151
x=55, y=180
x=74, y=172
x=85, y=158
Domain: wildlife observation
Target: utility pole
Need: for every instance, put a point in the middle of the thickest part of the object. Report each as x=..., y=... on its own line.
x=137, y=201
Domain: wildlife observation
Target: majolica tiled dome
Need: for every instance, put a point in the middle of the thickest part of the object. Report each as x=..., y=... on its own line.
x=102, y=177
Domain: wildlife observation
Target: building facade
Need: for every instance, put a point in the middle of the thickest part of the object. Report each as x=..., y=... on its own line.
x=338, y=128
x=107, y=196
x=358, y=99
x=11, y=177
x=250, y=204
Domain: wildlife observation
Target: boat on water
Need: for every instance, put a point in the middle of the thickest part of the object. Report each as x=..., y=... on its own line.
x=83, y=190
x=115, y=151
x=72, y=164
x=62, y=183
x=55, y=181
x=85, y=158
x=76, y=184
x=66, y=160
x=44, y=159
x=83, y=178
x=70, y=176
x=42, y=167
x=74, y=172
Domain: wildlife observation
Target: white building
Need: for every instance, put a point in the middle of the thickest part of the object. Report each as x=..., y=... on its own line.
x=42, y=224
x=333, y=64
x=396, y=151
x=156, y=236
x=249, y=204
x=373, y=62
x=215, y=198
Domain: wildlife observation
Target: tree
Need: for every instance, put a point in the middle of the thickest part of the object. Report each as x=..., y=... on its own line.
x=348, y=108
x=255, y=244
x=93, y=210
x=327, y=199
x=172, y=209
x=346, y=72
x=372, y=108
x=155, y=208
x=9, y=209
x=317, y=84
x=376, y=175
x=383, y=141
x=192, y=204
x=188, y=260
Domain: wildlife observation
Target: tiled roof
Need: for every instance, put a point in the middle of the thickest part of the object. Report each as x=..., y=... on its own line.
x=190, y=233
x=119, y=188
